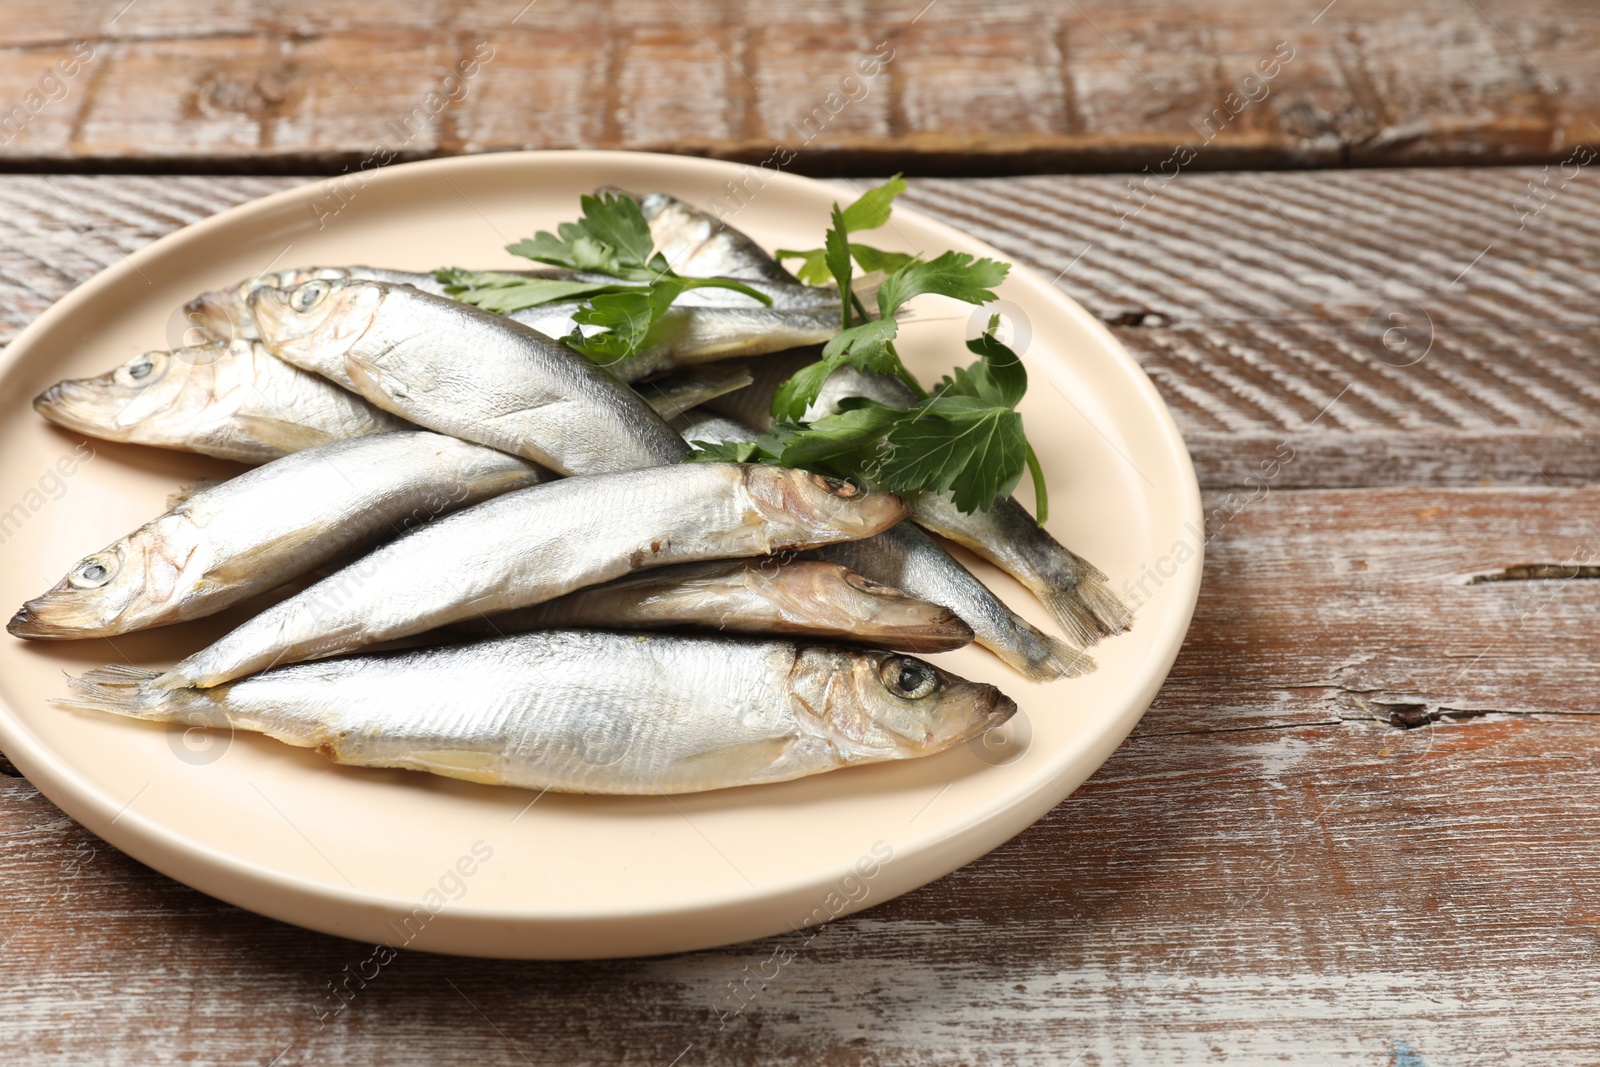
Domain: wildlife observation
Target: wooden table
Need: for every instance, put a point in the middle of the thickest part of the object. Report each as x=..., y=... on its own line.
x=1361, y=824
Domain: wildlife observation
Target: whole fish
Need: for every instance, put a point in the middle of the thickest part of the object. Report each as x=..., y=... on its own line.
x=234, y=401
x=266, y=527
x=536, y=544
x=586, y=712
x=910, y=560
x=802, y=597
x=466, y=372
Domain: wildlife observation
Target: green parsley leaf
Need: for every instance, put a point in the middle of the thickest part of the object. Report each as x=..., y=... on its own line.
x=504, y=293
x=997, y=378
x=611, y=238
x=872, y=209
x=727, y=452
x=873, y=259
x=813, y=268
x=953, y=274
x=975, y=450
x=847, y=436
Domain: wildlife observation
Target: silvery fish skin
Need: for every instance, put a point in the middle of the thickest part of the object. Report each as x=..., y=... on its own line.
x=908, y=559
x=696, y=245
x=234, y=401
x=800, y=597
x=1071, y=589
x=465, y=372
x=673, y=394
x=265, y=528
x=588, y=712
x=536, y=544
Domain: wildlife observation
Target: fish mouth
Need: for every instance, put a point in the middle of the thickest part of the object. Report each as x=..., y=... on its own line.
x=74, y=404
x=996, y=710
x=29, y=624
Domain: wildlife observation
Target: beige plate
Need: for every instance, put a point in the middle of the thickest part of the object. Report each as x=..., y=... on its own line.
x=379, y=855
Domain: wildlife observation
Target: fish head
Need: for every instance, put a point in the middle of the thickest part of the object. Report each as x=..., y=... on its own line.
x=318, y=318
x=818, y=508
x=872, y=613
x=224, y=314
x=150, y=384
x=882, y=705
x=117, y=589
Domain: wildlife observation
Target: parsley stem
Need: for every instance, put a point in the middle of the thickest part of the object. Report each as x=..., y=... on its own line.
x=1041, y=494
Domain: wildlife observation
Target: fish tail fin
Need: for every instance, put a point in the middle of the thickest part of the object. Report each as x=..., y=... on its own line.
x=1040, y=657
x=120, y=690
x=1086, y=609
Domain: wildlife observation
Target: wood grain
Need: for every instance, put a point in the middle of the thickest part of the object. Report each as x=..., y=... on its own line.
x=1360, y=825
x=1019, y=86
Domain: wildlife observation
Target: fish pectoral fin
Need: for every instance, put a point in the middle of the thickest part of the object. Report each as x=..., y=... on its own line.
x=745, y=760
x=373, y=380
x=286, y=436
x=466, y=764
x=249, y=565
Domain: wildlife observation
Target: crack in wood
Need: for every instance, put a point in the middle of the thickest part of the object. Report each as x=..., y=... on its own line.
x=1538, y=572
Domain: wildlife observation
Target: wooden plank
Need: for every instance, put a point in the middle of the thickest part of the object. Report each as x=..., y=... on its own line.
x=1268, y=870
x=1262, y=304
x=1021, y=86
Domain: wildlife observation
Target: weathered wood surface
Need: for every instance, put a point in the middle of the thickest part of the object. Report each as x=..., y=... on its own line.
x=1272, y=869
x=1019, y=86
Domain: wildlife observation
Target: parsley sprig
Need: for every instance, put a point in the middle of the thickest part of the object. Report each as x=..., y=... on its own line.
x=965, y=438
x=612, y=239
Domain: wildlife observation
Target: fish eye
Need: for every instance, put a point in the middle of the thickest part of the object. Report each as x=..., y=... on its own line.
x=307, y=296
x=836, y=486
x=141, y=369
x=909, y=678
x=92, y=573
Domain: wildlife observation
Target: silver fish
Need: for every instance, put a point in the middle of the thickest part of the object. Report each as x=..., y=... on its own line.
x=586, y=712
x=463, y=371
x=233, y=401
x=801, y=597
x=536, y=544
x=266, y=527
x=910, y=560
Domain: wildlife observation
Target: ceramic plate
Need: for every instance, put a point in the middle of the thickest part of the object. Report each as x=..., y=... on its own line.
x=420, y=862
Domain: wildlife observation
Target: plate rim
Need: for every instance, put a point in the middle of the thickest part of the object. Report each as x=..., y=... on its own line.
x=291, y=897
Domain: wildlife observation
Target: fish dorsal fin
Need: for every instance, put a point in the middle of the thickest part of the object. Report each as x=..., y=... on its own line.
x=280, y=434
